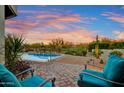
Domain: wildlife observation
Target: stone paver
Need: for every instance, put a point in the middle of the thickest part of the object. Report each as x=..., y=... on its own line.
x=66, y=74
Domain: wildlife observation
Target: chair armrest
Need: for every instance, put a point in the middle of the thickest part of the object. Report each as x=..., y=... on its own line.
x=51, y=79
x=92, y=65
x=27, y=70
x=109, y=81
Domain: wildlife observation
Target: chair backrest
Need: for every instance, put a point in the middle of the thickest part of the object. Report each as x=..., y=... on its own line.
x=8, y=79
x=114, y=69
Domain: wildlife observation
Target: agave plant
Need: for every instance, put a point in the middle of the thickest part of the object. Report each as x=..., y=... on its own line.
x=13, y=49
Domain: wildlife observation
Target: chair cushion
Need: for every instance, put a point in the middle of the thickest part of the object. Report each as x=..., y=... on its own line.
x=114, y=69
x=34, y=81
x=7, y=78
x=88, y=80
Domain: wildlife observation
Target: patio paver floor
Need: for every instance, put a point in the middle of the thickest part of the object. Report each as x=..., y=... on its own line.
x=66, y=74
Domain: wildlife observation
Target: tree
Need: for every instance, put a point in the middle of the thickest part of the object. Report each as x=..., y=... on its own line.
x=56, y=44
x=107, y=40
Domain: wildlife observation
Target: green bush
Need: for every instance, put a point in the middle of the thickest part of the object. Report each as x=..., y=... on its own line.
x=119, y=53
x=84, y=52
x=76, y=51
x=69, y=51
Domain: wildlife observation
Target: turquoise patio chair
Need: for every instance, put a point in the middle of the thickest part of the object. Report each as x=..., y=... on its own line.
x=8, y=79
x=112, y=75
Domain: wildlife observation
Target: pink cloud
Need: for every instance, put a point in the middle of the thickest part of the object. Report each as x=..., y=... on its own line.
x=14, y=31
x=76, y=35
x=59, y=17
x=47, y=19
x=36, y=28
x=58, y=26
x=119, y=34
x=56, y=21
x=21, y=24
x=114, y=16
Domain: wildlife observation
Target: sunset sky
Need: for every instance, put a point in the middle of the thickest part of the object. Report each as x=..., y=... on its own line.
x=77, y=24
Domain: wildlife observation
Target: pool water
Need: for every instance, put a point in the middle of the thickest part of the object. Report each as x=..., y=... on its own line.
x=39, y=57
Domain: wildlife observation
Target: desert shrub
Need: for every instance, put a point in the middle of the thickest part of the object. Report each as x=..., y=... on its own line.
x=118, y=53
x=76, y=51
x=69, y=51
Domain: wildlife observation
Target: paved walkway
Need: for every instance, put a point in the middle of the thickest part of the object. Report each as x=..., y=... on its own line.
x=66, y=74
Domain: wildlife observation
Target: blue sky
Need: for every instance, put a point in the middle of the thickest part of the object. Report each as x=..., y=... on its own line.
x=73, y=23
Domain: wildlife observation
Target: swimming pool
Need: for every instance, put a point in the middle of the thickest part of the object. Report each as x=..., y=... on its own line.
x=39, y=57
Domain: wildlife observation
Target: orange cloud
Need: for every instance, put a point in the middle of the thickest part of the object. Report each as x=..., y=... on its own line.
x=117, y=19
x=79, y=36
x=45, y=15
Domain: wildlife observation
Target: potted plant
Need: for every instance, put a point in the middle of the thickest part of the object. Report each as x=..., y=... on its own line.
x=13, y=52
